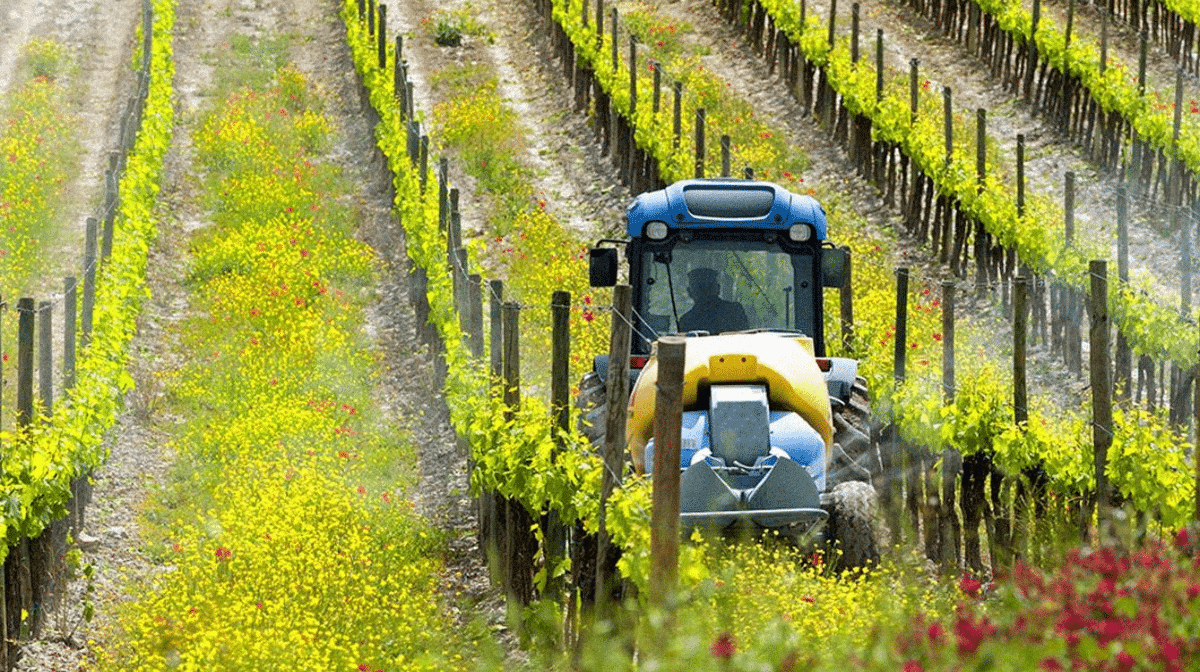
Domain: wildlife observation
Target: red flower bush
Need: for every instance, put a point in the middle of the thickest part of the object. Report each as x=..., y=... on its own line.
x=723, y=647
x=1105, y=610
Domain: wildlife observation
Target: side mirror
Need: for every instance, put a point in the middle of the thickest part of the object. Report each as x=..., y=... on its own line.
x=602, y=266
x=835, y=266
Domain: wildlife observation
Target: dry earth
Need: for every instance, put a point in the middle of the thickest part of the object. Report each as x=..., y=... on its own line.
x=574, y=179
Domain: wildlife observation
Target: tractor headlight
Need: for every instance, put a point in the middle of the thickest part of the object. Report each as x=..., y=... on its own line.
x=800, y=233
x=656, y=230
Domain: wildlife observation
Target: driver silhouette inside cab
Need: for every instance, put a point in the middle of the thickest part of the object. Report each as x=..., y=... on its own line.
x=709, y=311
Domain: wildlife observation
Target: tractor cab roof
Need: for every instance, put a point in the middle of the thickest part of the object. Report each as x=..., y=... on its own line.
x=723, y=203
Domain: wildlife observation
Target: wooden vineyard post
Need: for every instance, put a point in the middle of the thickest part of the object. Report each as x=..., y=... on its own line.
x=475, y=314
x=1031, y=51
x=18, y=561
x=1123, y=367
x=443, y=193
x=69, y=308
x=1069, y=207
x=1103, y=40
x=462, y=289
x=854, y=33
x=948, y=115
x=981, y=236
x=948, y=382
x=678, y=115
x=899, y=469
x=879, y=65
x=399, y=78
x=111, y=204
x=614, y=42
x=700, y=114
x=1102, y=420
x=89, y=281
x=832, y=21
x=1020, y=335
x=656, y=101
x=1141, y=74
x=495, y=306
x=382, y=36
x=980, y=148
x=913, y=89
x=599, y=23
x=951, y=531
x=516, y=555
x=489, y=529
x=633, y=92
x=664, y=517
x=617, y=396
x=25, y=341
x=453, y=228
x=554, y=532
x=725, y=155
x=45, y=358
x=1020, y=174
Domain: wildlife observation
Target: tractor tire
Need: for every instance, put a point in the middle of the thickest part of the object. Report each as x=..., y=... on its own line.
x=850, y=530
x=855, y=455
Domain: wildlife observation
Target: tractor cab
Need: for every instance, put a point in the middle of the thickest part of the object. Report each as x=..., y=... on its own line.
x=716, y=255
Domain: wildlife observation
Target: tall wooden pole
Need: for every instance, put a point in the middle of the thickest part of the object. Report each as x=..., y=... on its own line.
x=668, y=424
x=612, y=452
x=1102, y=420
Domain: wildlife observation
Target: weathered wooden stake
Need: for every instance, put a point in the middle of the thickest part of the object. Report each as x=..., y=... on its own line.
x=657, y=68
x=617, y=395
x=664, y=517
x=633, y=73
x=981, y=147
x=901, y=341
x=832, y=20
x=382, y=36
x=25, y=343
x=948, y=112
x=1020, y=174
x=45, y=358
x=913, y=90
x=496, y=302
x=70, y=306
x=1020, y=351
x=1141, y=78
x=879, y=65
x=1069, y=208
x=555, y=533
x=1123, y=367
x=475, y=300
x=678, y=118
x=854, y=33
x=1102, y=420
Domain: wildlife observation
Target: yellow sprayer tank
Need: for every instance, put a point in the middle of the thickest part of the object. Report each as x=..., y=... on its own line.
x=784, y=364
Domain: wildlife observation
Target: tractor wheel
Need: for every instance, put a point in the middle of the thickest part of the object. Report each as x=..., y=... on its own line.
x=855, y=455
x=593, y=405
x=851, y=528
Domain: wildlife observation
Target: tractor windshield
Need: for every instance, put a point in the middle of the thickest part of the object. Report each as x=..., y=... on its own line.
x=720, y=285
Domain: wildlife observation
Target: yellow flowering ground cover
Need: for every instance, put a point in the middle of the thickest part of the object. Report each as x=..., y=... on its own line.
x=36, y=140
x=289, y=542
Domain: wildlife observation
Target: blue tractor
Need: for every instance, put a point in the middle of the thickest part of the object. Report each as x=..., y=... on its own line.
x=775, y=432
